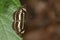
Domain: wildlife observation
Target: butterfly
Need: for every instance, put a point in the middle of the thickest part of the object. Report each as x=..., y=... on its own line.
x=18, y=24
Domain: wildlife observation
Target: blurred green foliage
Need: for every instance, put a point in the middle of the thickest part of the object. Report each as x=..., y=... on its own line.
x=7, y=8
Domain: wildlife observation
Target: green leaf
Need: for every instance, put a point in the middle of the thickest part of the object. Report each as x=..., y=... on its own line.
x=7, y=8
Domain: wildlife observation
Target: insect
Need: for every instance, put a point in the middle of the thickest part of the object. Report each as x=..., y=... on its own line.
x=38, y=20
x=18, y=24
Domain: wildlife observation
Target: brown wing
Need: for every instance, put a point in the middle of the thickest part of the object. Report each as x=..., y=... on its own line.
x=18, y=24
